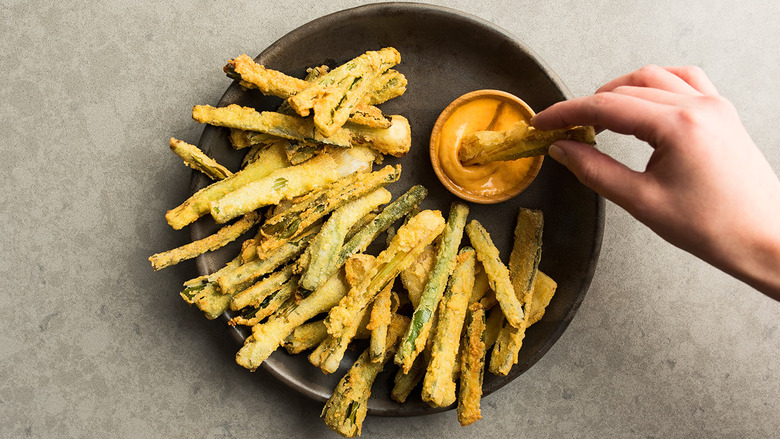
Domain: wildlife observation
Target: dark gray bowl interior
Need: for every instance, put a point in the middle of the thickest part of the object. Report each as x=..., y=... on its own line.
x=445, y=53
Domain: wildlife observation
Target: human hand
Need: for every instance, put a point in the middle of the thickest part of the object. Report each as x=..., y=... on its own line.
x=706, y=188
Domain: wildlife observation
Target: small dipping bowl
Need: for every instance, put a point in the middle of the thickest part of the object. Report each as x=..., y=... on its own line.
x=488, y=183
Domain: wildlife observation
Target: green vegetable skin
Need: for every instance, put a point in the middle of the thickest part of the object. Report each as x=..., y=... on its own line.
x=438, y=385
x=267, y=337
x=325, y=247
x=498, y=274
x=199, y=203
x=414, y=340
x=279, y=185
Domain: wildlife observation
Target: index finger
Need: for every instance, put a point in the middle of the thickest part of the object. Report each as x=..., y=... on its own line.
x=616, y=112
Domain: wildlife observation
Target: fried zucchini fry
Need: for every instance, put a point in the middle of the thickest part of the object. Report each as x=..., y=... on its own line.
x=473, y=366
x=495, y=320
x=281, y=184
x=510, y=339
x=389, y=85
x=323, y=251
x=196, y=159
x=305, y=337
x=498, y=274
x=241, y=139
x=544, y=289
x=255, y=314
x=526, y=250
x=270, y=82
x=286, y=225
x=523, y=269
x=328, y=355
x=380, y=316
x=346, y=409
x=414, y=340
x=267, y=337
x=224, y=236
x=521, y=140
x=395, y=140
x=438, y=386
x=404, y=383
x=199, y=203
x=333, y=96
x=244, y=275
x=204, y=293
x=255, y=295
x=410, y=240
x=415, y=277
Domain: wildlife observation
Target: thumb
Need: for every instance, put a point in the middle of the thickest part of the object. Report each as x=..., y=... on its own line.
x=598, y=171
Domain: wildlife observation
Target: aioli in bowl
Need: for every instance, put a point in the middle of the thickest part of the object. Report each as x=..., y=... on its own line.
x=488, y=183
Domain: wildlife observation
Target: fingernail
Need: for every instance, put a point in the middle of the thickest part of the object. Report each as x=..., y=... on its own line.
x=558, y=154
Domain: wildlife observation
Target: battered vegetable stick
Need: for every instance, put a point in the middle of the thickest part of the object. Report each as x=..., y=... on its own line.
x=196, y=159
x=253, y=315
x=389, y=85
x=328, y=355
x=526, y=250
x=241, y=139
x=259, y=291
x=416, y=336
x=199, y=203
x=333, y=96
x=278, y=185
x=404, y=383
x=224, y=236
x=497, y=273
x=521, y=140
x=438, y=385
x=395, y=140
x=270, y=82
x=241, y=277
x=481, y=285
x=267, y=337
x=305, y=337
x=473, y=366
x=325, y=247
x=346, y=409
x=495, y=318
x=544, y=289
x=510, y=339
x=380, y=316
x=410, y=240
x=415, y=277
x=284, y=226
x=204, y=293
x=393, y=212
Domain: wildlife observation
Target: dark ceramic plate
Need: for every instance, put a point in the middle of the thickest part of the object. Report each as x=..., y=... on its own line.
x=445, y=53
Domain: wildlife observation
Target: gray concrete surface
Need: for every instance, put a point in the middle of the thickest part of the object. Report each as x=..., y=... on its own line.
x=94, y=344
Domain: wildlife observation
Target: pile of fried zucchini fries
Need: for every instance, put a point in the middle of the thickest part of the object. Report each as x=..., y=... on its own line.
x=305, y=281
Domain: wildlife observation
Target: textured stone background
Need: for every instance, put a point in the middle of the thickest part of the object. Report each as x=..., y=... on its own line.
x=92, y=343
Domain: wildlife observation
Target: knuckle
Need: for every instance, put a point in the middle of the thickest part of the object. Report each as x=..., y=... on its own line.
x=644, y=75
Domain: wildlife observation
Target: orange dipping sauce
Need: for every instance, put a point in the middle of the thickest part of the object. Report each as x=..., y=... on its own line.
x=490, y=110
